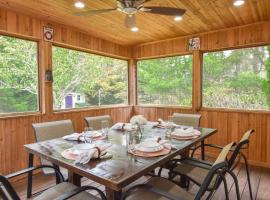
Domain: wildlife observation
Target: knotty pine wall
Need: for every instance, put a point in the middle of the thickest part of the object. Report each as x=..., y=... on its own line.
x=15, y=131
x=231, y=124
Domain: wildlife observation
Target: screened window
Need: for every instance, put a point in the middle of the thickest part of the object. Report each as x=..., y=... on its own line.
x=81, y=79
x=18, y=75
x=165, y=81
x=237, y=78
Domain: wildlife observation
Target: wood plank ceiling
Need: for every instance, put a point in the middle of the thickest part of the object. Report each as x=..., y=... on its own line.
x=201, y=16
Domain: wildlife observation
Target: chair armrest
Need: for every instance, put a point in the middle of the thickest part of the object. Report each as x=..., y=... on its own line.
x=31, y=169
x=78, y=190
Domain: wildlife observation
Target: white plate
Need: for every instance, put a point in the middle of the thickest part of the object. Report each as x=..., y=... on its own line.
x=149, y=146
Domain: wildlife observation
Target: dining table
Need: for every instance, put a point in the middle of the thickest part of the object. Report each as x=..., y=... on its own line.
x=118, y=168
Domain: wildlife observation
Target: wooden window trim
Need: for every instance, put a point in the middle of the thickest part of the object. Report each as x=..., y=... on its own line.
x=83, y=50
x=39, y=86
x=89, y=51
x=233, y=110
x=165, y=105
x=91, y=108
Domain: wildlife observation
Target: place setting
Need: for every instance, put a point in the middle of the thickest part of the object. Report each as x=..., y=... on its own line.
x=84, y=152
x=185, y=133
x=150, y=147
x=88, y=135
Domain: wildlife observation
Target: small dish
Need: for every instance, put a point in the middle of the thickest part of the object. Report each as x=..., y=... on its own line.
x=149, y=146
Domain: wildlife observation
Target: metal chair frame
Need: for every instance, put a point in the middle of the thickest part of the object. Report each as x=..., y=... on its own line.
x=236, y=153
x=218, y=169
x=4, y=180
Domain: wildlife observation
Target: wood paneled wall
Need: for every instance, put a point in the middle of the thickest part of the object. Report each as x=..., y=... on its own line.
x=249, y=35
x=15, y=131
x=231, y=124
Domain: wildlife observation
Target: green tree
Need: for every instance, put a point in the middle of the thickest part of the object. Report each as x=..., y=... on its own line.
x=165, y=81
x=18, y=75
x=266, y=82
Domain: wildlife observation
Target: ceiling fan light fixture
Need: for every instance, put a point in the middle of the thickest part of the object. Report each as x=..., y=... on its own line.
x=238, y=2
x=79, y=4
x=134, y=29
x=178, y=18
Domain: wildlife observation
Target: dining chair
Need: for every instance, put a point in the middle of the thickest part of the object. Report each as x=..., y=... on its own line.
x=47, y=131
x=194, y=168
x=51, y=130
x=96, y=121
x=61, y=191
x=161, y=188
x=186, y=119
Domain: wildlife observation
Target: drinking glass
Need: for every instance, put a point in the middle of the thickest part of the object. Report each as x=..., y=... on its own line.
x=87, y=135
x=105, y=127
x=169, y=127
x=131, y=140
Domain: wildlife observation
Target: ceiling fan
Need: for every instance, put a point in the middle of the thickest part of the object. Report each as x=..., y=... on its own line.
x=132, y=7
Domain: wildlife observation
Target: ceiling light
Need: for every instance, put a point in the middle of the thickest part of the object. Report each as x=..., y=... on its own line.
x=134, y=29
x=79, y=4
x=178, y=18
x=238, y=2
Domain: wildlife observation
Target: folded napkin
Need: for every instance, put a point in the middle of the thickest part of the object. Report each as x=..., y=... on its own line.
x=189, y=132
x=122, y=127
x=85, y=156
x=74, y=137
x=80, y=136
x=165, y=143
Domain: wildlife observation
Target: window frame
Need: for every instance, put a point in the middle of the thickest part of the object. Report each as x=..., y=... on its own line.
x=40, y=108
x=88, y=51
x=229, y=110
x=189, y=108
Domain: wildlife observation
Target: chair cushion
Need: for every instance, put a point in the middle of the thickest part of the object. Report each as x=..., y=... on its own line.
x=61, y=188
x=162, y=184
x=195, y=173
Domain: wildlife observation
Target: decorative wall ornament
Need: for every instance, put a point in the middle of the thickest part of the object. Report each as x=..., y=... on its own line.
x=47, y=34
x=194, y=44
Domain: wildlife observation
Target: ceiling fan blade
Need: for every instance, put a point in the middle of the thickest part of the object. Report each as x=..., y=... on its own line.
x=94, y=12
x=130, y=21
x=165, y=11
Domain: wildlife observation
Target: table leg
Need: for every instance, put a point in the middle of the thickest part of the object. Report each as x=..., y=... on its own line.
x=30, y=175
x=74, y=178
x=202, y=150
x=57, y=177
x=183, y=179
x=113, y=194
